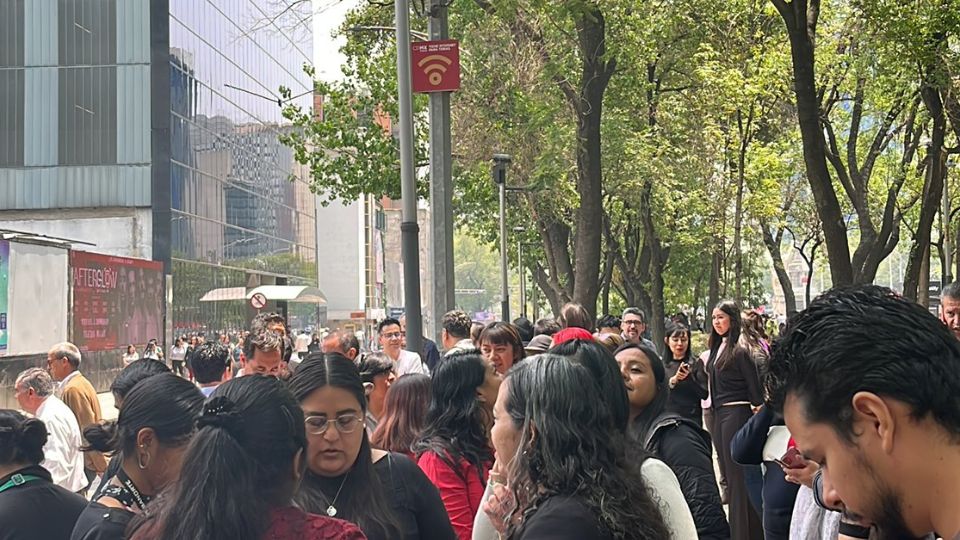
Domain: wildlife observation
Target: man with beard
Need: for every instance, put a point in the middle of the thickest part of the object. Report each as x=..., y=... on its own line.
x=868, y=384
x=950, y=307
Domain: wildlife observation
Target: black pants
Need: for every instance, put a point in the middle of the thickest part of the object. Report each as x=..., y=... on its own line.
x=745, y=524
x=177, y=367
x=709, y=423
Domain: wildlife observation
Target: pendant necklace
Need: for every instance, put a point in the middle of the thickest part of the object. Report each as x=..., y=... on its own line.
x=331, y=509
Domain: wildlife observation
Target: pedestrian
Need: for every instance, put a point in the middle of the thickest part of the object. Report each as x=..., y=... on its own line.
x=63, y=364
x=455, y=332
x=573, y=315
x=31, y=505
x=734, y=385
x=608, y=324
x=501, y=345
x=454, y=450
x=376, y=373
x=384, y=493
x=686, y=376
x=754, y=338
x=549, y=444
x=546, y=326
x=682, y=444
x=525, y=328
x=155, y=424
x=404, y=414
x=62, y=457
x=391, y=341
x=241, y=471
x=153, y=351
x=212, y=366
x=130, y=356
x=612, y=342
x=633, y=324
x=178, y=354
x=475, y=328
x=263, y=352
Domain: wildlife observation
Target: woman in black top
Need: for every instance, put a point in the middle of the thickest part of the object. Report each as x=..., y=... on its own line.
x=686, y=376
x=563, y=459
x=156, y=421
x=31, y=505
x=386, y=494
x=683, y=445
x=734, y=385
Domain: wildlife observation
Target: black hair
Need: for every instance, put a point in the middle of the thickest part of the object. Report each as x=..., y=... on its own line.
x=263, y=339
x=603, y=366
x=676, y=329
x=504, y=333
x=21, y=438
x=866, y=339
x=371, y=365
x=456, y=421
x=576, y=451
x=133, y=374
x=732, y=337
x=262, y=321
x=525, y=328
x=389, y=321
x=952, y=291
x=644, y=421
x=165, y=403
x=363, y=498
x=457, y=323
x=546, y=327
x=608, y=321
x=238, y=466
x=210, y=361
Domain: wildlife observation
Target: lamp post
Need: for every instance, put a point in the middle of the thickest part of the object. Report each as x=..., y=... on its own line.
x=409, y=230
x=500, y=164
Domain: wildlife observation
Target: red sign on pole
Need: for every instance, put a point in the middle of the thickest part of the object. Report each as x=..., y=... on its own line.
x=435, y=66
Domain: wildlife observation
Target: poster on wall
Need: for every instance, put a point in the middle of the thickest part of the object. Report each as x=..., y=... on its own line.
x=4, y=302
x=116, y=301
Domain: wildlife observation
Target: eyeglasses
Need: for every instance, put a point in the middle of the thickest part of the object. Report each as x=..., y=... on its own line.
x=346, y=423
x=633, y=323
x=393, y=335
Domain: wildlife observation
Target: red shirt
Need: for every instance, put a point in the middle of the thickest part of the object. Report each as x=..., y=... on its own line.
x=461, y=499
x=295, y=524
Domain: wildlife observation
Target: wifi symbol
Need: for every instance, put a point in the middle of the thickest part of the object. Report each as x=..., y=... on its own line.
x=434, y=66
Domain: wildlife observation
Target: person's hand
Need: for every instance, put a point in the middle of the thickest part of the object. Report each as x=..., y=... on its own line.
x=803, y=475
x=683, y=372
x=499, y=507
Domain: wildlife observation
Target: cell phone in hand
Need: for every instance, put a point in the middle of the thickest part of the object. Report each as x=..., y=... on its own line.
x=792, y=459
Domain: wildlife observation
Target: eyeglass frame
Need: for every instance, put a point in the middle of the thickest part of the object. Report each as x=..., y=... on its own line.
x=361, y=422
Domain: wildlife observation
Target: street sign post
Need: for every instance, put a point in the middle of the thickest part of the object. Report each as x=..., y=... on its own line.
x=436, y=66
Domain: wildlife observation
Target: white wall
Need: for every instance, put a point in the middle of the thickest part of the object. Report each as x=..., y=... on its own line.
x=38, y=296
x=123, y=232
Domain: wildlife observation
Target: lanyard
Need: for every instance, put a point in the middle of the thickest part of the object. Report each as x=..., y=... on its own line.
x=131, y=488
x=18, y=480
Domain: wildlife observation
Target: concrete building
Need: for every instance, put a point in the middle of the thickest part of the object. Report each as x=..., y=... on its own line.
x=149, y=128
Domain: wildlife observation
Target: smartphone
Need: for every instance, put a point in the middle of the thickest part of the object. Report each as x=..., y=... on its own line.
x=791, y=459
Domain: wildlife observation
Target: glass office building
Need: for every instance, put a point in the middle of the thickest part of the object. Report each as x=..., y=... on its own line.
x=150, y=129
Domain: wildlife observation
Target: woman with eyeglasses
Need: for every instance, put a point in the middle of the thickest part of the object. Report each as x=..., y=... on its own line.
x=384, y=493
x=454, y=450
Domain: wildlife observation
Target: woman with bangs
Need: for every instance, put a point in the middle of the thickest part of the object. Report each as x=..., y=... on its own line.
x=500, y=344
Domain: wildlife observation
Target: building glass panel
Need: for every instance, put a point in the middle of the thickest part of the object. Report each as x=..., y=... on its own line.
x=87, y=115
x=87, y=32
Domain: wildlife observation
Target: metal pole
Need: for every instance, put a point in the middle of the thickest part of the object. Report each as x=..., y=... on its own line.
x=441, y=184
x=504, y=285
x=947, y=277
x=523, y=279
x=409, y=230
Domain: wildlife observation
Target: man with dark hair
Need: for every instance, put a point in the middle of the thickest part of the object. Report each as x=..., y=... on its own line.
x=455, y=333
x=634, y=324
x=270, y=321
x=868, y=384
x=263, y=353
x=391, y=339
x=524, y=328
x=345, y=343
x=546, y=326
x=950, y=307
x=212, y=366
x=608, y=324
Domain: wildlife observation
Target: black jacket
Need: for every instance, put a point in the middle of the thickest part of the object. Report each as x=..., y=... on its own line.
x=746, y=448
x=686, y=448
x=38, y=508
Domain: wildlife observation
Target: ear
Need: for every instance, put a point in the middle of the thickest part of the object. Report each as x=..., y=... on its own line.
x=876, y=417
x=367, y=388
x=480, y=397
x=146, y=438
x=443, y=335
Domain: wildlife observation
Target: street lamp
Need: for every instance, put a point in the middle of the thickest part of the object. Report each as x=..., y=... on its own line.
x=500, y=164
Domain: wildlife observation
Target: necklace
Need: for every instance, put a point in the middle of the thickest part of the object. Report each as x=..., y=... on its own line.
x=331, y=509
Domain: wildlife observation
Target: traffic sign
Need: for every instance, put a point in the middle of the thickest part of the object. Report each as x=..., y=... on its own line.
x=258, y=301
x=436, y=66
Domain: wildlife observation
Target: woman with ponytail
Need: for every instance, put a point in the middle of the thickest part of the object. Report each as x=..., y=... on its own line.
x=385, y=493
x=31, y=505
x=155, y=423
x=240, y=473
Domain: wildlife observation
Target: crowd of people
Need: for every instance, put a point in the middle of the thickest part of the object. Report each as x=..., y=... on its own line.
x=844, y=426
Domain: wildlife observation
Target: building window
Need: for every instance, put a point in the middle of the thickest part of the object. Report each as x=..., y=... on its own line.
x=88, y=32
x=88, y=116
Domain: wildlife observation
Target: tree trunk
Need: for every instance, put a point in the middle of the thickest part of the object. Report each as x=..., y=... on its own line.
x=713, y=291
x=801, y=17
x=813, y=258
x=923, y=288
x=773, y=246
x=932, y=191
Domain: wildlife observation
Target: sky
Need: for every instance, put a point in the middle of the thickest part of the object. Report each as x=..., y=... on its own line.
x=328, y=15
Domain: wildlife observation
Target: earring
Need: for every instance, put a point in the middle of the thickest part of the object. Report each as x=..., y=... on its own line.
x=140, y=462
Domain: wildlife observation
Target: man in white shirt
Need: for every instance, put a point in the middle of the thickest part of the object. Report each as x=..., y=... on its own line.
x=62, y=456
x=391, y=338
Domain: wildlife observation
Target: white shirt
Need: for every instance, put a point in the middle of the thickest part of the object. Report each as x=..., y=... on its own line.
x=65, y=380
x=409, y=362
x=62, y=455
x=462, y=346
